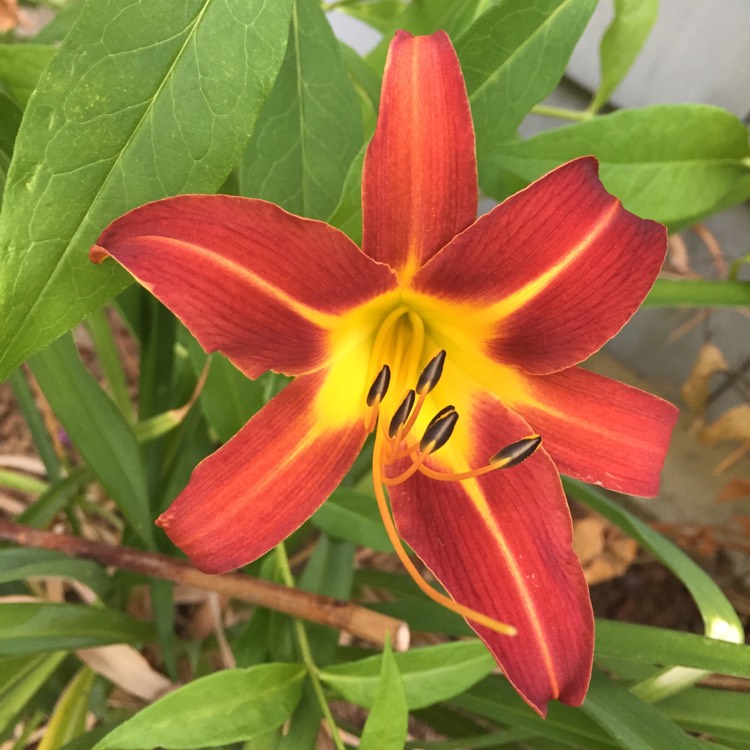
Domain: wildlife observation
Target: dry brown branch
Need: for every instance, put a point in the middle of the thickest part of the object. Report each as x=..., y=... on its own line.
x=342, y=615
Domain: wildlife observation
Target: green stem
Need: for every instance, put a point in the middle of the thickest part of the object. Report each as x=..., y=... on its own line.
x=698, y=293
x=560, y=113
x=306, y=652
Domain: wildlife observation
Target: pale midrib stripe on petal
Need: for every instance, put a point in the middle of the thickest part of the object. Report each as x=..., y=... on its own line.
x=311, y=314
x=475, y=494
x=529, y=291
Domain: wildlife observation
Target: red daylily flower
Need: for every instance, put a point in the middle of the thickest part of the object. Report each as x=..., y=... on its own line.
x=488, y=315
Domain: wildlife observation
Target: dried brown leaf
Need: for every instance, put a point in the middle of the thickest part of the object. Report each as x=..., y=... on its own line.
x=9, y=17
x=736, y=489
x=605, y=552
x=733, y=424
x=128, y=669
x=695, y=391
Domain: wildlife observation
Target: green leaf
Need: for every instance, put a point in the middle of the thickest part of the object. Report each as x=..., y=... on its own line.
x=675, y=163
x=10, y=120
x=634, y=724
x=512, y=56
x=20, y=678
x=367, y=85
x=311, y=128
x=229, y=398
x=347, y=215
x=719, y=617
x=496, y=700
x=98, y=429
x=68, y=719
x=698, y=293
x=28, y=627
x=429, y=675
x=719, y=713
x=352, y=515
x=420, y=17
x=621, y=44
x=386, y=725
x=659, y=646
x=40, y=513
x=141, y=101
x=229, y=706
x=19, y=563
x=21, y=65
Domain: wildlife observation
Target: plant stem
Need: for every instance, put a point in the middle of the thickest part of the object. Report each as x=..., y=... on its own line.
x=306, y=651
x=325, y=610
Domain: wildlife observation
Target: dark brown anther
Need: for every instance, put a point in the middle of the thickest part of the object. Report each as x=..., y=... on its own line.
x=438, y=433
x=445, y=410
x=379, y=387
x=402, y=413
x=513, y=454
x=431, y=373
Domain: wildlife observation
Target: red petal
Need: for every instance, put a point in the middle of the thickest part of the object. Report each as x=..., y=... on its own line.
x=419, y=185
x=553, y=272
x=265, y=482
x=502, y=544
x=247, y=278
x=599, y=430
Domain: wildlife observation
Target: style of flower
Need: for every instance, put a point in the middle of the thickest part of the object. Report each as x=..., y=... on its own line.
x=453, y=339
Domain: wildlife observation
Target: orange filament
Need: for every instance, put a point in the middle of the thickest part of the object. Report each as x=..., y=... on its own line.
x=411, y=569
x=391, y=445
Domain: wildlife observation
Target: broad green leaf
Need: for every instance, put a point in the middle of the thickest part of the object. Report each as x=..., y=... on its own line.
x=420, y=17
x=634, y=724
x=719, y=713
x=675, y=163
x=28, y=627
x=621, y=43
x=140, y=101
x=383, y=15
x=367, y=85
x=386, y=725
x=352, y=515
x=68, y=719
x=347, y=215
x=512, y=56
x=19, y=563
x=228, y=706
x=20, y=67
x=20, y=678
x=659, y=646
x=429, y=675
x=311, y=128
x=98, y=429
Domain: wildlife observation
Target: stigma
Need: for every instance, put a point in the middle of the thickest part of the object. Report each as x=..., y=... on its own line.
x=397, y=443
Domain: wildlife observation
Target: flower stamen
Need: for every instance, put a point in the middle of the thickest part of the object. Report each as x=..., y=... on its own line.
x=505, y=458
x=411, y=569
